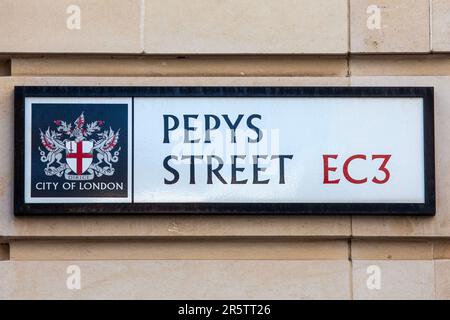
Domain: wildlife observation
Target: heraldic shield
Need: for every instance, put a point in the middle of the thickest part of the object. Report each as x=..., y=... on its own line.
x=79, y=155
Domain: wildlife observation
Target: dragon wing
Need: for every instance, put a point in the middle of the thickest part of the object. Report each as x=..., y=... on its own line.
x=111, y=141
x=79, y=123
x=51, y=143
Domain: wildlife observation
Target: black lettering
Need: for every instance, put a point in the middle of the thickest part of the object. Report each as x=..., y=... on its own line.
x=192, y=166
x=235, y=169
x=176, y=175
x=257, y=169
x=176, y=123
x=233, y=126
x=251, y=126
x=208, y=127
x=282, y=157
x=215, y=171
x=188, y=128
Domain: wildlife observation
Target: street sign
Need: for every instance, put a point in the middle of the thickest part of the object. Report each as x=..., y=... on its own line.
x=224, y=150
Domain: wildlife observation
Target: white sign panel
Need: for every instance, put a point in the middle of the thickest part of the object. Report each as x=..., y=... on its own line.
x=284, y=149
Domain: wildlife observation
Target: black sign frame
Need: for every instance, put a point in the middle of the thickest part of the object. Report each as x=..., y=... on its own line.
x=25, y=209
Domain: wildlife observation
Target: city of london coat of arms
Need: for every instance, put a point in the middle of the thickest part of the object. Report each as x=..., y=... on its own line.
x=79, y=150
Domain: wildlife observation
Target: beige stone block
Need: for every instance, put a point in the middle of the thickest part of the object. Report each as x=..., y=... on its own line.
x=190, y=66
x=400, y=65
x=5, y=69
x=442, y=269
x=403, y=26
x=178, y=280
x=399, y=280
x=243, y=27
x=111, y=26
x=180, y=249
x=440, y=26
x=439, y=225
x=4, y=251
x=153, y=226
x=441, y=249
x=391, y=250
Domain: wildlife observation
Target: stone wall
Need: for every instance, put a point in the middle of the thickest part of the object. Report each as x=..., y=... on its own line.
x=231, y=42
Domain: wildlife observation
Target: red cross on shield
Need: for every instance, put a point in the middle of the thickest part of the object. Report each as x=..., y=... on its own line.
x=79, y=155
